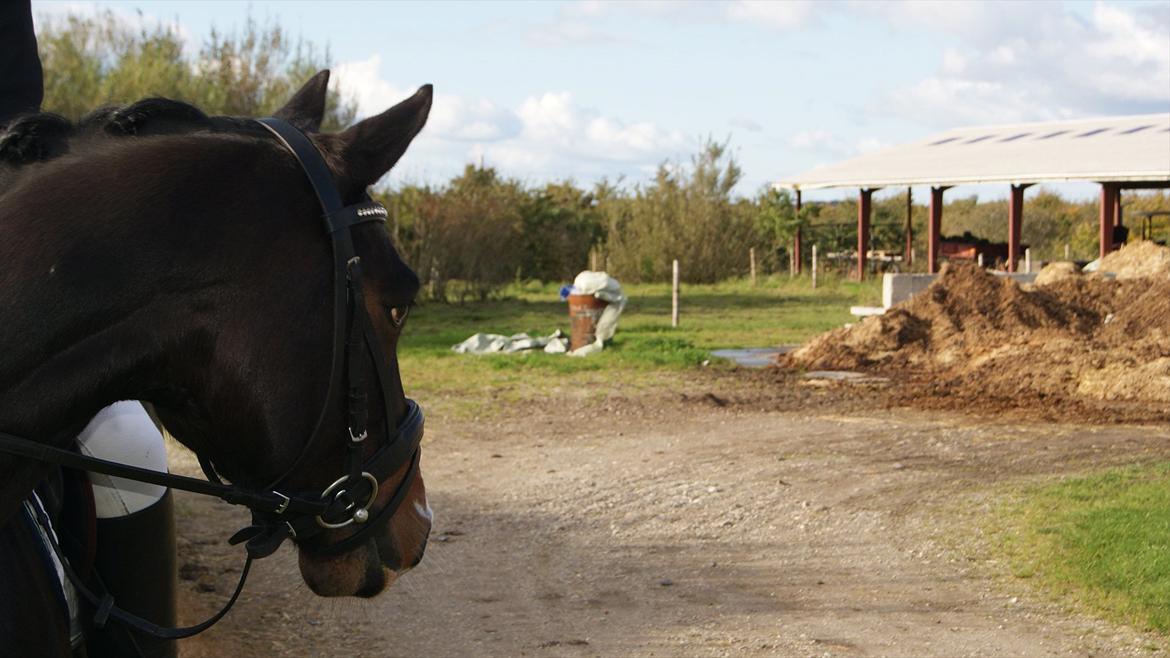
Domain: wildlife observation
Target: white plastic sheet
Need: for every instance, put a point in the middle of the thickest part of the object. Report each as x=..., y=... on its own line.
x=554, y=343
x=598, y=284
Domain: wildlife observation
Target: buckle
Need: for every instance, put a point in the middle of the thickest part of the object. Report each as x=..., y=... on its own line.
x=359, y=438
x=283, y=503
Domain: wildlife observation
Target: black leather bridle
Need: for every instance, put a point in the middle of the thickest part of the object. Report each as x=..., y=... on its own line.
x=278, y=514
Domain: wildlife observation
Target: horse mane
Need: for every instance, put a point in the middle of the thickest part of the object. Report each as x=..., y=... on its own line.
x=44, y=136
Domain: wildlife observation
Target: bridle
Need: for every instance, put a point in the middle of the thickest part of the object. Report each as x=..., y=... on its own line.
x=276, y=513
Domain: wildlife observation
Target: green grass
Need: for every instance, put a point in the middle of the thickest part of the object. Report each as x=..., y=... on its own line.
x=730, y=314
x=1101, y=541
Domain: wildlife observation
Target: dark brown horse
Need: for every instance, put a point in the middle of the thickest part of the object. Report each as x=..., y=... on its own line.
x=157, y=254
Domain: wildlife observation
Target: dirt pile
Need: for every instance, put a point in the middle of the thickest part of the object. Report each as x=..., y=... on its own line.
x=1057, y=271
x=1137, y=260
x=979, y=337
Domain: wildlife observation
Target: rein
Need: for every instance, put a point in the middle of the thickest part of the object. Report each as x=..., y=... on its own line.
x=277, y=516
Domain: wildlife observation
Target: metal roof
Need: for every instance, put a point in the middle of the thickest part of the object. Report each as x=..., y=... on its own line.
x=1108, y=149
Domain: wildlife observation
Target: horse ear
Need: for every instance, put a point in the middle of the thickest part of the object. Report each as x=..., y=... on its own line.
x=369, y=149
x=306, y=109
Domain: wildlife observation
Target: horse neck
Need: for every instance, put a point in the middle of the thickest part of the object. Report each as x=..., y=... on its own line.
x=95, y=297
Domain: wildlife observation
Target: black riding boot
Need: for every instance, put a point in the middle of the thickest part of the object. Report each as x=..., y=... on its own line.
x=136, y=562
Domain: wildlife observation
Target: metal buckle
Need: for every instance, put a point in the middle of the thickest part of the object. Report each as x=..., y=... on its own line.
x=361, y=514
x=283, y=503
x=357, y=439
x=292, y=532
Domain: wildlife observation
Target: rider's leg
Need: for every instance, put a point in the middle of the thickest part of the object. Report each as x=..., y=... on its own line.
x=135, y=527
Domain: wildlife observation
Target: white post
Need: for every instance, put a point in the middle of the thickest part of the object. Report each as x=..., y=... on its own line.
x=674, y=295
x=979, y=259
x=752, y=259
x=814, y=266
x=1028, y=260
x=593, y=260
x=1066, y=252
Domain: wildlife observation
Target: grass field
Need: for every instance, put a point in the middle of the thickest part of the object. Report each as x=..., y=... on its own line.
x=731, y=314
x=1101, y=541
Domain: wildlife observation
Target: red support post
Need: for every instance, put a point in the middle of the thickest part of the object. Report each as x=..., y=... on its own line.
x=1108, y=217
x=1117, y=219
x=1015, y=224
x=796, y=247
x=864, y=207
x=908, y=256
x=934, y=228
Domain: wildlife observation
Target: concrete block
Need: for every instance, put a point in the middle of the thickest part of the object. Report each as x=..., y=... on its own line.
x=897, y=288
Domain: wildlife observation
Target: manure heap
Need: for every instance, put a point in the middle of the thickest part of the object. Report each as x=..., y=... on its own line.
x=974, y=335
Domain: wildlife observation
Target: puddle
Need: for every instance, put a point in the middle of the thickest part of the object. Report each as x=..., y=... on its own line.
x=816, y=376
x=753, y=357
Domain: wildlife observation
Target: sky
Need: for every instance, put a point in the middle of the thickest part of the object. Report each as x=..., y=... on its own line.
x=588, y=90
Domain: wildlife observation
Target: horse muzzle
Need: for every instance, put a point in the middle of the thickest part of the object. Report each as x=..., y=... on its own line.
x=374, y=565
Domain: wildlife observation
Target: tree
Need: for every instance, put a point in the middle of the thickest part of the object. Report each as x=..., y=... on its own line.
x=95, y=61
x=686, y=213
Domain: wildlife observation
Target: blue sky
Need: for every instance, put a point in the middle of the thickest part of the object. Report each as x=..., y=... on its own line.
x=584, y=90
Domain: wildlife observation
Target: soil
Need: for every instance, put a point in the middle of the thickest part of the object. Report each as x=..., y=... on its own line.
x=734, y=515
x=1092, y=347
x=1137, y=260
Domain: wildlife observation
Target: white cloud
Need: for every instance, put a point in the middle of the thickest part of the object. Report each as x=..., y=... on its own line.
x=953, y=62
x=451, y=117
x=787, y=15
x=569, y=32
x=546, y=136
x=1035, y=61
x=362, y=83
x=589, y=8
x=745, y=124
x=824, y=141
x=775, y=14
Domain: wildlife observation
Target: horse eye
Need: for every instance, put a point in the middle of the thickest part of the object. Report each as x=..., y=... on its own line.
x=398, y=315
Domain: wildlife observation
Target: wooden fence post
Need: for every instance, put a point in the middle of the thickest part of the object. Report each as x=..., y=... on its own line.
x=1066, y=252
x=752, y=259
x=814, y=266
x=1028, y=260
x=674, y=295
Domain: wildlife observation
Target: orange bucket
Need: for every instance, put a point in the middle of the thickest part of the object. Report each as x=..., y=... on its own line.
x=584, y=312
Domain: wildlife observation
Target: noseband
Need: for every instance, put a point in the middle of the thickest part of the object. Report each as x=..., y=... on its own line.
x=277, y=513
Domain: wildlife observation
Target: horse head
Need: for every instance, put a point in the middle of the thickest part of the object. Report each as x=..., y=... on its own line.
x=187, y=266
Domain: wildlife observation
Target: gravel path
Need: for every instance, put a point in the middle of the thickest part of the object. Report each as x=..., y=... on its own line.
x=690, y=529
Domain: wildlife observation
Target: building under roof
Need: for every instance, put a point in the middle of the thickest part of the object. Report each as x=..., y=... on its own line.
x=1120, y=153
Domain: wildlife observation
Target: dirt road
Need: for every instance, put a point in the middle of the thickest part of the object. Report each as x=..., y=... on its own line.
x=682, y=527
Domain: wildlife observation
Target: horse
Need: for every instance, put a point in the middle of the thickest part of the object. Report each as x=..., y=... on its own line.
x=156, y=253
